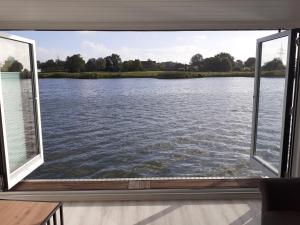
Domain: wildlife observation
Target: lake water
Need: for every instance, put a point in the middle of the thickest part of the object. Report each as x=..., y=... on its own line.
x=121, y=128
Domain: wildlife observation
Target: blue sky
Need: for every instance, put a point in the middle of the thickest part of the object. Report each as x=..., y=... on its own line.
x=176, y=46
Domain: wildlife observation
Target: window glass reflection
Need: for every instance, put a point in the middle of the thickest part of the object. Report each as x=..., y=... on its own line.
x=18, y=105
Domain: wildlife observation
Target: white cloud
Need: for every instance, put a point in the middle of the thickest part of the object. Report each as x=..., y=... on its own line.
x=199, y=38
x=180, y=49
x=90, y=49
x=179, y=53
x=44, y=54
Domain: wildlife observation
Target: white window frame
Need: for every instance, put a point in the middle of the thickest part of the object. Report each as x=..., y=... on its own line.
x=285, y=156
x=12, y=178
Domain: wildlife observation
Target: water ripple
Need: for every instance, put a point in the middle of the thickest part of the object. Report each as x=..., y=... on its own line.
x=116, y=128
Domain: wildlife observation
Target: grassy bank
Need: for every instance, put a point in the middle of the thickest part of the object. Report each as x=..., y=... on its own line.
x=154, y=74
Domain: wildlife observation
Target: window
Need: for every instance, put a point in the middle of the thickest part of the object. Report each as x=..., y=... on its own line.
x=21, y=132
x=272, y=114
x=130, y=121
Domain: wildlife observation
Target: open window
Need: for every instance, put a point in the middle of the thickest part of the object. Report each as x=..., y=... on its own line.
x=273, y=101
x=273, y=115
x=21, y=138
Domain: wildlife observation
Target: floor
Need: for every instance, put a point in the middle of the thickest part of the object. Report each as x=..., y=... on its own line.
x=229, y=212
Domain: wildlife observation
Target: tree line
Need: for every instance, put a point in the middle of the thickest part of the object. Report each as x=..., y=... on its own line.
x=13, y=65
x=222, y=62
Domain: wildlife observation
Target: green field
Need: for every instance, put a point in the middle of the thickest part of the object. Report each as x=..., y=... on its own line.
x=154, y=74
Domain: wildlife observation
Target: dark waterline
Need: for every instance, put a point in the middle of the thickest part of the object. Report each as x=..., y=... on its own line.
x=119, y=128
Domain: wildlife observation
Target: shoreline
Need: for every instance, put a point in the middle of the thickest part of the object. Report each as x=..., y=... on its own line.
x=155, y=74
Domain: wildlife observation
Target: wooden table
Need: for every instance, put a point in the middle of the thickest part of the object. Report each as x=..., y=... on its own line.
x=29, y=213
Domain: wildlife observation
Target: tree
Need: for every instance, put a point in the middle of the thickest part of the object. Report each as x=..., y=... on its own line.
x=250, y=63
x=25, y=74
x=132, y=65
x=211, y=64
x=109, y=65
x=60, y=65
x=38, y=64
x=48, y=66
x=223, y=55
x=226, y=61
x=196, y=61
x=238, y=65
x=16, y=66
x=149, y=65
x=222, y=62
x=180, y=67
x=217, y=64
x=7, y=63
x=52, y=66
x=91, y=65
x=275, y=64
x=113, y=63
x=116, y=59
x=100, y=62
x=75, y=63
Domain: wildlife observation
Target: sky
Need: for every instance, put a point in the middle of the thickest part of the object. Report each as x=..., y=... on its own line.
x=177, y=46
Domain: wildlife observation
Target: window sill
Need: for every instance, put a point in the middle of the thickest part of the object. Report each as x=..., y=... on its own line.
x=136, y=184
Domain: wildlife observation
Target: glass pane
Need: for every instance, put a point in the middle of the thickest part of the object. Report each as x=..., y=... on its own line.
x=18, y=105
x=271, y=99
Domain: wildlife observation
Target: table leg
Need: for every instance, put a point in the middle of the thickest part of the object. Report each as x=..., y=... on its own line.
x=61, y=215
x=54, y=219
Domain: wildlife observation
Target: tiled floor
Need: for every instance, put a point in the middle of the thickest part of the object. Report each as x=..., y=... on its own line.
x=229, y=212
